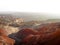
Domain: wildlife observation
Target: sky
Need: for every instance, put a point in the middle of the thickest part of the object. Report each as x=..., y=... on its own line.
x=49, y=7
x=45, y=6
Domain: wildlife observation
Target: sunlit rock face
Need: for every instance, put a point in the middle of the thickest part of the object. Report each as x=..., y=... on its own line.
x=10, y=29
x=46, y=34
x=9, y=23
x=19, y=20
x=4, y=39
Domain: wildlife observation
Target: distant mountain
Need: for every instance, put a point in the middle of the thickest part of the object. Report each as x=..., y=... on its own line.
x=53, y=20
x=31, y=16
x=25, y=16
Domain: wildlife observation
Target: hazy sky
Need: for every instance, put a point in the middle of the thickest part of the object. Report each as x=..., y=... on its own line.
x=44, y=6
x=49, y=8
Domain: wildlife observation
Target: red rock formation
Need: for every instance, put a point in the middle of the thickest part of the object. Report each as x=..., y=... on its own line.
x=25, y=32
x=47, y=34
x=4, y=39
